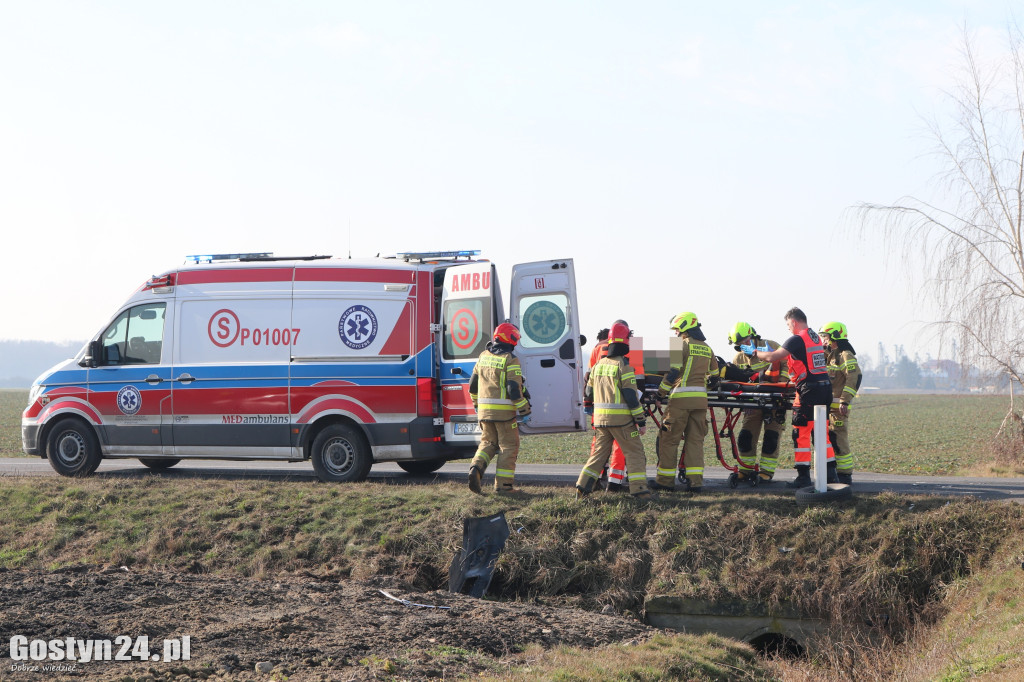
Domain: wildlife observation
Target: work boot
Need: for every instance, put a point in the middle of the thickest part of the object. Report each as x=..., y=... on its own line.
x=617, y=488
x=766, y=476
x=654, y=485
x=803, y=477
x=645, y=496
x=845, y=478
x=506, y=490
x=830, y=473
x=474, y=479
x=581, y=493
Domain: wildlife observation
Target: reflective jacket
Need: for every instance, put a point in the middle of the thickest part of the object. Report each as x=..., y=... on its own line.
x=844, y=371
x=496, y=387
x=686, y=385
x=813, y=365
x=612, y=387
x=768, y=372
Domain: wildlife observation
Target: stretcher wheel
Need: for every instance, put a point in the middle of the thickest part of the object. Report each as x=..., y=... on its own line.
x=755, y=480
x=734, y=480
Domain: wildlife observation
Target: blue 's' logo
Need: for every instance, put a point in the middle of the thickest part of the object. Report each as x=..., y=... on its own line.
x=357, y=327
x=129, y=400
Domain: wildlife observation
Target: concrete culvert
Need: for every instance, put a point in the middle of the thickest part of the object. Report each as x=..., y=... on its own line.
x=777, y=644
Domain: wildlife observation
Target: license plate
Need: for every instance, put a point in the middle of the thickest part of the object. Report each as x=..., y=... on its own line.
x=466, y=428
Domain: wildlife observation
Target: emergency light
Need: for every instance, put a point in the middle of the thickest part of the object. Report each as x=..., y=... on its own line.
x=209, y=258
x=425, y=255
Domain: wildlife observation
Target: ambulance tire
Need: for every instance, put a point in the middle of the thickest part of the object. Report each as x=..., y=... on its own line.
x=423, y=466
x=340, y=454
x=158, y=463
x=72, y=448
x=834, y=492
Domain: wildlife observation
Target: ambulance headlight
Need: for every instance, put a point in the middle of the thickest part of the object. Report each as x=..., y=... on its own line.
x=35, y=392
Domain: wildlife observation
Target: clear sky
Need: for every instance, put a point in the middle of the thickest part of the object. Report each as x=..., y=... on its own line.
x=688, y=156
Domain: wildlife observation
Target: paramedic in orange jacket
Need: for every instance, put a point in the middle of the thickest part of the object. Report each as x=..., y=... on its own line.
x=809, y=371
x=616, y=467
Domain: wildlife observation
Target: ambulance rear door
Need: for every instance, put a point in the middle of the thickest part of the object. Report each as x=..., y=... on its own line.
x=470, y=309
x=543, y=306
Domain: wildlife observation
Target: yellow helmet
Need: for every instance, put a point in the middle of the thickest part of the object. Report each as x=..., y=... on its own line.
x=684, y=322
x=741, y=331
x=834, y=330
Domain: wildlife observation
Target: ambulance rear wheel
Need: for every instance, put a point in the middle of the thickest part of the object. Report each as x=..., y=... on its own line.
x=158, y=463
x=423, y=466
x=72, y=448
x=340, y=454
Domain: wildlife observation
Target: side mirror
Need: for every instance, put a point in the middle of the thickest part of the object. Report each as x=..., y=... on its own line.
x=91, y=355
x=583, y=340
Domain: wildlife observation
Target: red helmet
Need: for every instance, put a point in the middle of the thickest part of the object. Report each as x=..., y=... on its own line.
x=619, y=333
x=507, y=333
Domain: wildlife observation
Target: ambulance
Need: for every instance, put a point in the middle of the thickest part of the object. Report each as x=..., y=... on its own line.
x=338, y=361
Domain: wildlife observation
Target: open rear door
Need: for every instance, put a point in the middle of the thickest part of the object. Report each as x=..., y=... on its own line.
x=543, y=306
x=469, y=310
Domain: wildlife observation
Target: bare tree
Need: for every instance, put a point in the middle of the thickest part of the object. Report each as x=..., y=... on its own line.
x=968, y=244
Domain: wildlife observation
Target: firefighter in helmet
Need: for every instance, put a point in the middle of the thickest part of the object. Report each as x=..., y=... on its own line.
x=615, y=470
x=745, y=339
x=618, y=417
x=805, y=357
x=498, y=395
x=686, y=418
x=844, y=371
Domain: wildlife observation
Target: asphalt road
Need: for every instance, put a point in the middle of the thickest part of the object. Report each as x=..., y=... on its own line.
x=716, y=478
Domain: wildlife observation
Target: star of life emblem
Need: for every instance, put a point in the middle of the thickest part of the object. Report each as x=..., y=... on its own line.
x=129, y=400
x=357, y=327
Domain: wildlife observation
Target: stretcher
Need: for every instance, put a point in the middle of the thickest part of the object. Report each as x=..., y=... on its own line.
x=731, y=398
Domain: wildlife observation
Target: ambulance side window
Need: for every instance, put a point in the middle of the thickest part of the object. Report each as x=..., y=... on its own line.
x=543, y=319
x=135, y=337
x=467, y=324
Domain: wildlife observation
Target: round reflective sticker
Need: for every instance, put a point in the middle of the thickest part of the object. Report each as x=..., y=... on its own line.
x=465, y=329
x=544, y=322
x=357, y=327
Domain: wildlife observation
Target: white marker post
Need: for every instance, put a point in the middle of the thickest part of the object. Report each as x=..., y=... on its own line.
x=820, y=448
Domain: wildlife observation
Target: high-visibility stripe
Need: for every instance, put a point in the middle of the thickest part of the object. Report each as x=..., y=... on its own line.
x=504, y=473
x=851, y=391
x=671, y=473
x=693, y=471
x=592, y=474
x=638, y=476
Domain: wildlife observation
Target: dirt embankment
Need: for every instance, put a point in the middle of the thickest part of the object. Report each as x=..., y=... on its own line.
x=306, y=629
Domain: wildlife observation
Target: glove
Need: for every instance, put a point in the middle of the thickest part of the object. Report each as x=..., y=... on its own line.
x=523, y=418
x=844, y=409
x=748, y=349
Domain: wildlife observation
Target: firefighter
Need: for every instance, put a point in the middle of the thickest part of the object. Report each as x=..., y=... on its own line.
x=686, y=417
x=745, y=339
x=805, y=357
x=615, y=471
x=618, y=417
x=844, y=371
x=498, y=395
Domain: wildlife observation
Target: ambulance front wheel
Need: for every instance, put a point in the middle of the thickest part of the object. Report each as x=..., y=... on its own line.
x=340, y=454
x=72, y=448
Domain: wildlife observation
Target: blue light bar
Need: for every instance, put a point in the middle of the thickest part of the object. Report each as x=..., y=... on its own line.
x=426, y=255
x=225, y=256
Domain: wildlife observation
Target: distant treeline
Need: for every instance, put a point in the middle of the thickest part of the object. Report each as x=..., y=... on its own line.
x=22, y=361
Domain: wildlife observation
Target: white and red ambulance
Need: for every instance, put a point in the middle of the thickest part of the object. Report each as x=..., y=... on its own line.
x=342, y=362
